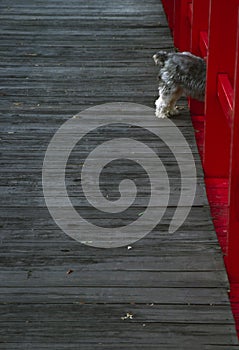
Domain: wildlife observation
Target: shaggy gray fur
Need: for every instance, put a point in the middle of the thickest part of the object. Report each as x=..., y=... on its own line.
x=180, y=73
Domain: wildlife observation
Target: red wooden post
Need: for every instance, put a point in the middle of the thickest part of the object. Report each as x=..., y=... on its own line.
x=169, y=11
x=221, y=59
x=199, y=29
x=233, y=227
x=182, y=24
x=200, y=11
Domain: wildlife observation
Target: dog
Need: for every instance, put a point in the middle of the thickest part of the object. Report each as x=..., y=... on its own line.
x=180, y=73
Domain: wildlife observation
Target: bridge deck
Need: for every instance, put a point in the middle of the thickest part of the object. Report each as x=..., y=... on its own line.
x=164, y=291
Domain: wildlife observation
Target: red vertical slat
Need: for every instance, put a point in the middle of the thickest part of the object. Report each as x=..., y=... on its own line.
x=169, y=11
x=233, y=227
x=199, y=25
x=221, y=59
x=182, y=25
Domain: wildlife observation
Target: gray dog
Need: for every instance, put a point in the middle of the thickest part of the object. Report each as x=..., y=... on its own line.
x=180, y=73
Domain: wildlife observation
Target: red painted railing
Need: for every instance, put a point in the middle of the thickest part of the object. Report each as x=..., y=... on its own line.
x=210, y=29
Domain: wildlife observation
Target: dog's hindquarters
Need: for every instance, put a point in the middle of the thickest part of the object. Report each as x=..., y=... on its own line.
x=179, y=74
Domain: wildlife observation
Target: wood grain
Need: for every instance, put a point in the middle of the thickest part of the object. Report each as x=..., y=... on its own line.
x=57, y=59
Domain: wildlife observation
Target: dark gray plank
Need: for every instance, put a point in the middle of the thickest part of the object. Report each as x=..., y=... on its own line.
x=57, y=59
x=125, y=278
x=148, y=313
x=114, y=295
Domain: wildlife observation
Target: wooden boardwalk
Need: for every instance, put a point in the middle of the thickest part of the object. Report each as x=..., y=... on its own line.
x=166, y=291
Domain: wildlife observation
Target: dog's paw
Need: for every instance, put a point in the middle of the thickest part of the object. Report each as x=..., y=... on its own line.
x=174, y=111
x=161, y=115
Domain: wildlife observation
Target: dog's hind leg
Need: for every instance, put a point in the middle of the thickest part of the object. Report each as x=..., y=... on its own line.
x=165, y=104
x=172, y=104
x=162, y=103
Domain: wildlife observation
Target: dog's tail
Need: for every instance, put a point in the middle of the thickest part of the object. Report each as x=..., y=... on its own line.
x=160, y=58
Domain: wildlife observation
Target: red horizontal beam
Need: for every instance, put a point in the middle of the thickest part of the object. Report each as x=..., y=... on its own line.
x=225, y=94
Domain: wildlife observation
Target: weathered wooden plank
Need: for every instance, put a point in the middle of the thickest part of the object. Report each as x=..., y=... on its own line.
x=58, y=58
x=54, y=119
x=116, y=278
x=111, y=295
x=118, y=332
x=67, y=252
x=68, y=259
x=148, y=313
x=199, y=218
x=121, y=346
